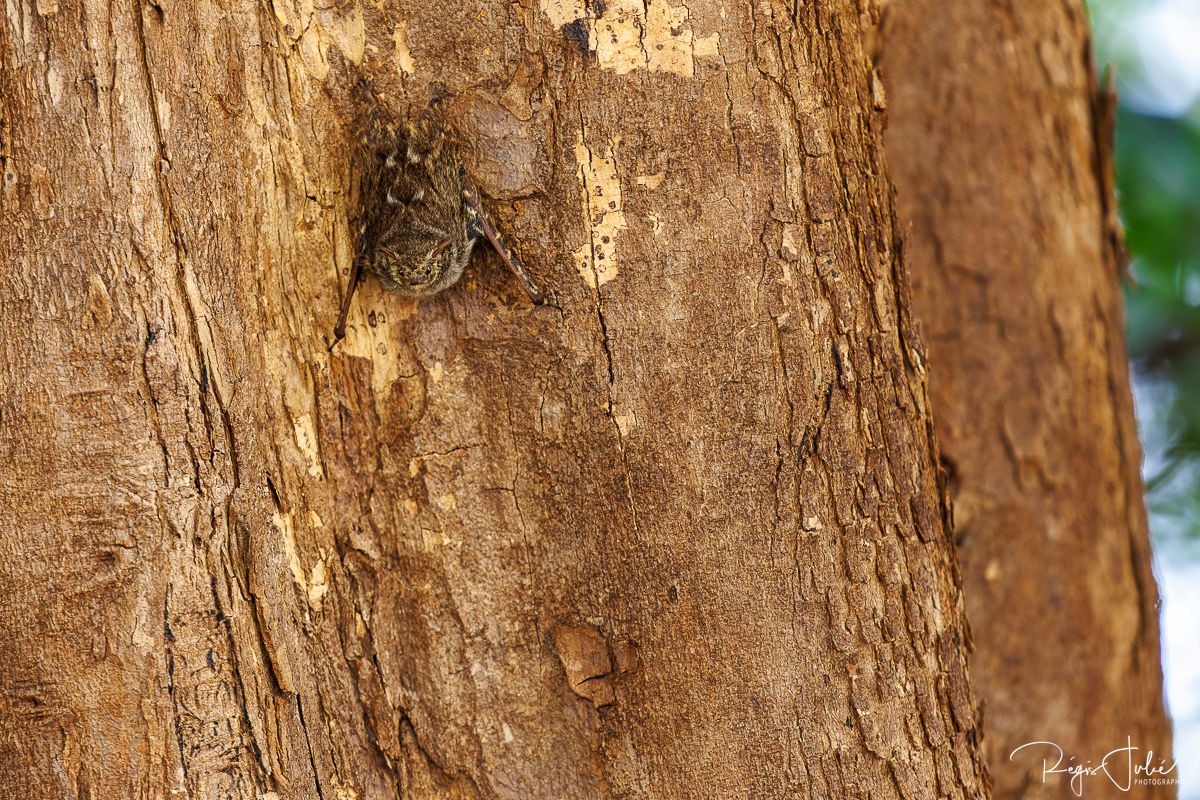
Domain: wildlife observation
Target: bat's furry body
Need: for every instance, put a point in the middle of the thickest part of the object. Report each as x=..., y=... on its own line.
x=420, y=212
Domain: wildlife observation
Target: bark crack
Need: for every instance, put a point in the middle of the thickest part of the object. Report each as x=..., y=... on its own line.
x=530, y=569
x=604, y=335
x=781, y=452
x=168, y=640
x=187, y=291
x=312, y=760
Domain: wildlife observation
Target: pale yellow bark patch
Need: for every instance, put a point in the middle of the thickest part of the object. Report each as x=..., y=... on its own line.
x=306, y=442
x=668, y=44
x=147, y=624
x=314, y=52
x=371, y=342
x=283, y=522
x=313, y=31
x=791, y=241
x=707, y=46
x=625, y=423
x=318, y=584
x=54, y=82
x=563, y=12
x=650, y=181
x=617, y=36
x=404, y=59
x=638, y=34
x=346, y=29
x=596, y=259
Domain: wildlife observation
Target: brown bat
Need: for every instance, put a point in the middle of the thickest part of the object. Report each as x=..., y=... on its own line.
x=421, y=213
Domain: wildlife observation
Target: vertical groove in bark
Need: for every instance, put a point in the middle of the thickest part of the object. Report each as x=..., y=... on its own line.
x=998, y=141
x=682, y=538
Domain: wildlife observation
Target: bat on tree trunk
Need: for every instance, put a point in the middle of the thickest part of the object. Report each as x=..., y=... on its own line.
x=421, y=213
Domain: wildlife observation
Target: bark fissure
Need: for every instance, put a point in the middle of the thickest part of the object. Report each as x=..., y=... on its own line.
x=168, y=638
x=598, y=297
x=312, y=759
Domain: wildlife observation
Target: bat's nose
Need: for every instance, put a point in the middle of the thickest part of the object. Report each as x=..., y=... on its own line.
x=418, y=279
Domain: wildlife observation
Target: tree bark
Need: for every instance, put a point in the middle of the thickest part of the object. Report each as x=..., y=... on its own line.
x=683, y=538
x=1000, y=141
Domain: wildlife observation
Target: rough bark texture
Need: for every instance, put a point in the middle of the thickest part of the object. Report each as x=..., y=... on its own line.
x=998, y=140
x=683, y=538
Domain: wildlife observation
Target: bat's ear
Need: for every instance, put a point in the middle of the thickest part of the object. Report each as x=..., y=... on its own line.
x=438, y=101
x=363, y=91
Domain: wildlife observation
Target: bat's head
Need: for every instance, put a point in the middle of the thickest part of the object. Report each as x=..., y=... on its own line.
x=418, y=266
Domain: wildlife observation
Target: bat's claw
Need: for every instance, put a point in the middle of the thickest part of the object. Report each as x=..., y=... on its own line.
x=338, y=336
x=548, y=299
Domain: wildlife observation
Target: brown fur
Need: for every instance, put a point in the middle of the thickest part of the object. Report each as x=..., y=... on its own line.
x=420, y=212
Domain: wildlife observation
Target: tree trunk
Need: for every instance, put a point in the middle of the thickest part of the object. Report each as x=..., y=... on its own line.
x=1000, y=143
x=684, y=538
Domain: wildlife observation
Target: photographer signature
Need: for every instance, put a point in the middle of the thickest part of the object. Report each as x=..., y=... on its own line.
x=1117, y=765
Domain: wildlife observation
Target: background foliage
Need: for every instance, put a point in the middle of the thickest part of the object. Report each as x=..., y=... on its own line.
x=1154, y=45
x=1155, y=49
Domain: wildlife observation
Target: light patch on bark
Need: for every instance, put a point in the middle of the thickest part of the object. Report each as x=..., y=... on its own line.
x=650, y=181
x=404, y=58
x=708, y=46
x=371, y=342
x=54, y=82
x=432, y=540
x=147, y=624
x=616, y=37
x=668, y=43
x=563, y=12
x=318, y=584
x=632, y=34
x=312, y=30
x=162, y=107
x=790, y=244
x=306, y=441
x=596, y=259
x=625, y=423
x=287, y=529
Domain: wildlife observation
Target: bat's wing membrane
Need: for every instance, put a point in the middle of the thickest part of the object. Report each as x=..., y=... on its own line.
x=481, y=225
